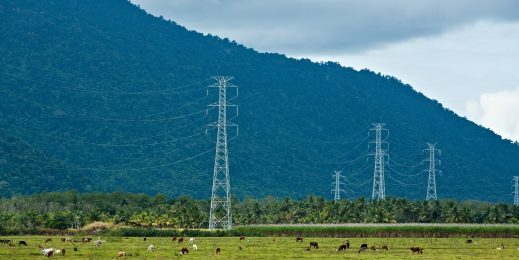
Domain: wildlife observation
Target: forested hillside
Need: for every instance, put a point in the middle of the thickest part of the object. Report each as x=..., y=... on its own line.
x=116, y=98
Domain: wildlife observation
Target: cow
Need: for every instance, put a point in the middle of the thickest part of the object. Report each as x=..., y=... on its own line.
x=218, y=251
x=347, y=244
x=184, y=250
x=242, y=238
x=174, y=239
x=181, y=240
x=342, y=248
x=191, y=240
x=363, y=248
x=47, y=240
x=469, y=241
x=416, y=250
x=240, y=248
x=22, y=243
x=384, y=247
x=195, y=247
x=144, y=239
x=121, y=254
x=314, y=245
x=373, y=248
x=150, y=248
x=501, y=247
x=299, y=239
x=86, y=240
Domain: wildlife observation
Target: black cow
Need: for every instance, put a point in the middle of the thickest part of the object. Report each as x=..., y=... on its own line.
x=363, y=248
x=184, y=250
x=314, y=245
x=299, y=239
x=22, y=243
x=342, y=248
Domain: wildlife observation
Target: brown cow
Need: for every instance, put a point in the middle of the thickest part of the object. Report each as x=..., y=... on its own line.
x=416, y=250
x=299, y=239
x=47, y=240
x=184, y=250
x=174, y=238
x=218, y=251
x=373, y=248
x=242, y=238
x=384, y=247
x=181, y=240
x=121, y=254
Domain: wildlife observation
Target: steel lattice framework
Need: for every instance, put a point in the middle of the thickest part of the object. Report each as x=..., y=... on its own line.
x=431, y=181
x=379, y=189
x=516, y=190
x=220, y=215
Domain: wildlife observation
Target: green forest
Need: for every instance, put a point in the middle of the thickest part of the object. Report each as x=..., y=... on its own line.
x=100, y=96
x=43, y=211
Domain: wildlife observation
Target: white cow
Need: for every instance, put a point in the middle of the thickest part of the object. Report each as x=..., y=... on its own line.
x=151, y=248
x=191, y=240
x=195, y=247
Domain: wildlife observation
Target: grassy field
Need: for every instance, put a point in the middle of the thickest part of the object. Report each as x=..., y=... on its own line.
x=267, y=248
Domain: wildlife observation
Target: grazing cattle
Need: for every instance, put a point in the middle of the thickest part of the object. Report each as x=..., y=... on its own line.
x=150, y=248
x=417, y=250
x=75, y=249
x=98, y=242
x=314, y=245
x=121, y=254
x=299, y=239
x=174, y=239
x=469, y=241
x=22, y=243
x=181, y=240
x=218, y=251
x=384, y=247
x=47, y=240
x=60, y=251
x=144, y=239
x=191, y=240
x=501, y=247
x=363, y=248
x=86, y=240
x=242, y=238
x=342, y=248
x=347, y=243
x=48, y=252
x=373, y=248
x=184, y=250
x=195, y=247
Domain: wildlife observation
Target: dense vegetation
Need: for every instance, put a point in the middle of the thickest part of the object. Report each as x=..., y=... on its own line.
x=104, y=97
x=73, y=209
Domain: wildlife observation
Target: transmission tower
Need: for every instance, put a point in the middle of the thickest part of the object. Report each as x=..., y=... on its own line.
x=431, y=181
x=337, y=183
x=516, y=190
x=220, y=215
x=379, y=190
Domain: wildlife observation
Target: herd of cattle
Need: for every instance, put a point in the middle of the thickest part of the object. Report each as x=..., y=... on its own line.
x=48, y=252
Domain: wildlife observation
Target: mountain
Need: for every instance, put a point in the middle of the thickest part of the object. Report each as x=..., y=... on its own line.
x=117, y=97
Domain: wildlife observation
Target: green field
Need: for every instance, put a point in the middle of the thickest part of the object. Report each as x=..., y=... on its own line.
x=267, y=248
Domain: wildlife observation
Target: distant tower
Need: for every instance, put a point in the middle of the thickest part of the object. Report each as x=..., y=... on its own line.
x=220, y=215
x=337, y=183
x=516, y=190
x=431, y=182
x=379, y=190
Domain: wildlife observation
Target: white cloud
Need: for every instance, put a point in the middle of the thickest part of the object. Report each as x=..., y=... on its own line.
x=498, y=111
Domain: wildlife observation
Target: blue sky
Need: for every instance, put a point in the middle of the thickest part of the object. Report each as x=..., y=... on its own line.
x=463, y=53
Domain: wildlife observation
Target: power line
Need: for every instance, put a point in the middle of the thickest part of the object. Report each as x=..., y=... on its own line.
x=338, y=183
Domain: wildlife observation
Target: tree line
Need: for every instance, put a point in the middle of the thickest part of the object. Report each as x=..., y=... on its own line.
x=64, y=210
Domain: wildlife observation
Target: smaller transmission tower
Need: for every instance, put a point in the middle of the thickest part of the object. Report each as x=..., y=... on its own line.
x=431, y=181
x=337, y=183
x=516, y=190
x=379, y=189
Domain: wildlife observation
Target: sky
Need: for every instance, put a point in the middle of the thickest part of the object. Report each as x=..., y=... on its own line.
x=463, y=53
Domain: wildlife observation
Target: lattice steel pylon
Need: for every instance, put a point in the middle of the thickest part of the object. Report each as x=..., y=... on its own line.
x=220, y=215
x=379, y=189
x=431, y=181
x=337, y=183
x=516, y=190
